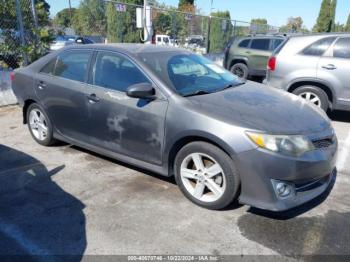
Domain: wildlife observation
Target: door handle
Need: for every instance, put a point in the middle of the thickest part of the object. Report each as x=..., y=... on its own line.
x=93, y=98
x=41, y=85
x=329, y=67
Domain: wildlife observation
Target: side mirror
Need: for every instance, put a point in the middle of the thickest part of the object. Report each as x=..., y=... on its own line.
x=141, y=90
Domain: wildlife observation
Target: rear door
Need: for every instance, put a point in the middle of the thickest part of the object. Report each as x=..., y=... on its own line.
x=125, y=125
x=62, y=90
x=260, y=51
x=334, y=67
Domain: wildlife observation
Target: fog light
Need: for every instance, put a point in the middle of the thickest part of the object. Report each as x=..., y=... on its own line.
x=283, y=189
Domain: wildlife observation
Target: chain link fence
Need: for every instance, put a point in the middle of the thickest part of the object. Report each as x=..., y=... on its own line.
x=27, y=32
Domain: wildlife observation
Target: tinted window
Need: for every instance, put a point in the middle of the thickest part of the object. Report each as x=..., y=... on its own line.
x=319, y=47
x=244, y=43
x=159, y=39
x=342, y=48
x=49, y=67
x=261, y=44
x=276, y=43
x=116, y=72
x=73, y=65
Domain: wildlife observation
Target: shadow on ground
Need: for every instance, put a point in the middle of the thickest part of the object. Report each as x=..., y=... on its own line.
x=37, y=217
x=294, y=236
x=340, y=116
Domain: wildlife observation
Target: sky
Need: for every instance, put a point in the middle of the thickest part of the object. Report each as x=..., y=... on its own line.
x=275, y=11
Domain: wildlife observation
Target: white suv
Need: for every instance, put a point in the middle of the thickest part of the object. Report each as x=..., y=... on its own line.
x=314, y=67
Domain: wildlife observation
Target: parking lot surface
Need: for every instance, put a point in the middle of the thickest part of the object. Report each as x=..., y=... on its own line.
x=65, y=200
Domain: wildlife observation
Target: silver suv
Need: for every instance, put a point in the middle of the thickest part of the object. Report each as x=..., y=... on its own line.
x=314, y=67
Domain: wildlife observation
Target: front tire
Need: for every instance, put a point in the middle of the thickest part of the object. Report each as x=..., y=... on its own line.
x=314, y=95
x=206, y=175
x=39, y=125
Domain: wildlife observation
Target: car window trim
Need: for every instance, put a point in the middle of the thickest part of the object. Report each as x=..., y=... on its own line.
x=86, y=73
x=93, y=62
x=46, y=64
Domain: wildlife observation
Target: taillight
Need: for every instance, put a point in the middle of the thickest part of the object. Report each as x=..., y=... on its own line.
x=271, y=64
x=12, y=75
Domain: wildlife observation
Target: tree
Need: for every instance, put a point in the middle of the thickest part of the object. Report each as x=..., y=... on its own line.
x=64, y=17
x=326, y=18
x=90, y=18
x=333, y=10
x=121, y=26
x=36, y=40
x=163, y=23
x=186, y=2
x=259, y=25
x=347, y=26
x=221, y=30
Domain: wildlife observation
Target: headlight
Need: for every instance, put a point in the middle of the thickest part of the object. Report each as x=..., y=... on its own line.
x=288, y=145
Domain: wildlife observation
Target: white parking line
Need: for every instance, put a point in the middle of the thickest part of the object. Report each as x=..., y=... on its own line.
x=343, y=155
x=11, y=231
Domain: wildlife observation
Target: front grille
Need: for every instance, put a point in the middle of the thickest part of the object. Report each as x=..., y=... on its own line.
x=323, y=143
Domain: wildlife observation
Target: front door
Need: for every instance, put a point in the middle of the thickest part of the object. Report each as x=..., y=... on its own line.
x=130, y=126
x=62, y=90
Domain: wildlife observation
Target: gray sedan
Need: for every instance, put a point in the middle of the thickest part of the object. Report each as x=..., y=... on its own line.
x=176, y=113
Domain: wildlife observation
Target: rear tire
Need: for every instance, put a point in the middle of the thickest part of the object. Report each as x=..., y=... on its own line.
x=314, y=95
x=206, y=175
x=39, y=125
x=241, y=70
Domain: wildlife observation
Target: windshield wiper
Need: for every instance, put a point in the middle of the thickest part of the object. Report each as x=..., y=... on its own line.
x=197, y=93
x=232, y=85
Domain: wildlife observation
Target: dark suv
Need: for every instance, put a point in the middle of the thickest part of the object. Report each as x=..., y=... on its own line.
x=247, y=56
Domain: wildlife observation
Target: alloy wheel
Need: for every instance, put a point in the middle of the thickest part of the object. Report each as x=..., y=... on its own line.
x=203, y=177
x=38, y=124
x=312, y=98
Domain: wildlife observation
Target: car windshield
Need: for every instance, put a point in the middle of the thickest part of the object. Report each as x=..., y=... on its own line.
x=189, y=74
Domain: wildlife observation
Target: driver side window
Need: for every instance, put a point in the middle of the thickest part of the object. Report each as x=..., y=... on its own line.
x=116, y=72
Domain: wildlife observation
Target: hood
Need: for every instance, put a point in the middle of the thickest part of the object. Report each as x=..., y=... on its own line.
x=256, y=106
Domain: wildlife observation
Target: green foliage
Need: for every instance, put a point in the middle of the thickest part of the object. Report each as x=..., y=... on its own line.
x=36, y=39
x=163, y=23
x=63, y=17
x=326, y=18
x=90, y=18
x=186, y=2
x=347, y=26
x=294, y=25
x=220, y=30
x=259, y=21
x=121, y=26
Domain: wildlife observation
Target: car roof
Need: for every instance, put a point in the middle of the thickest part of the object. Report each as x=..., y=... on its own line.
x=132, y=49
x=320, y=34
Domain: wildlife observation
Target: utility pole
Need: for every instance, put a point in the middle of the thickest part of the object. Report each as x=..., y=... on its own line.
x=36, y=24
x=70, y=13
x=209, y=22
x=21, y=30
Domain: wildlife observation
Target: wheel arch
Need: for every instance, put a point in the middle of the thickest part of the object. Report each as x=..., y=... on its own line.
x=237, y=60
x=184, y=140
x=324, y=86
x=26, y=105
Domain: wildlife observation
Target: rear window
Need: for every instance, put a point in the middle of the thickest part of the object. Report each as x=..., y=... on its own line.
x=319, y=47
x=261, y=44
x=342, y=48
x=49, y=67
x=244, y=43
x=276, y=43
x=73, y=65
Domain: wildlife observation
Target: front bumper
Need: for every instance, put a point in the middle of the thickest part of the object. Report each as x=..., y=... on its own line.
x=309, y=175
